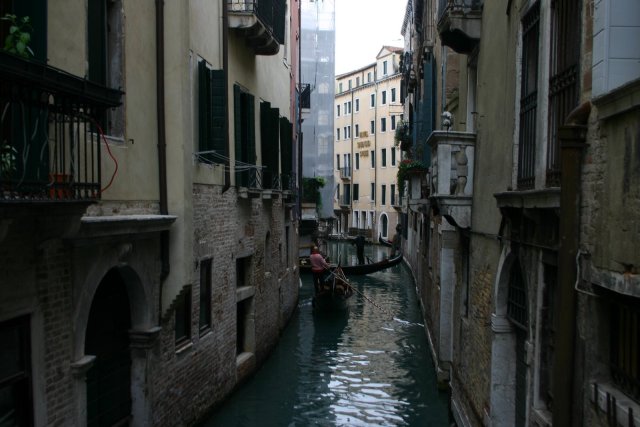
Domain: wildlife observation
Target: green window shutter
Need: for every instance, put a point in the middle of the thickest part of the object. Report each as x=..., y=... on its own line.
x=266, y=134
x=219, y=98
x=237, y=129
x=251, y=129
x=274, y=152
x=97, y=41
x=203, y=129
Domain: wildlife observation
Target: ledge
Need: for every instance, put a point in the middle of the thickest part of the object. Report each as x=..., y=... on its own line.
x=618, y=100
x=117, y=225
x=548, y=198
x=615, y=404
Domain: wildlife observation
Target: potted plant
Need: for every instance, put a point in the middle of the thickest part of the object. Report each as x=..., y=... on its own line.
x=402, y=137
x=7, y=161
x=17, y=42
x=406, y=167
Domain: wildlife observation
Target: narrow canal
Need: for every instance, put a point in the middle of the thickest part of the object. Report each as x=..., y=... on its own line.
x=359, y=368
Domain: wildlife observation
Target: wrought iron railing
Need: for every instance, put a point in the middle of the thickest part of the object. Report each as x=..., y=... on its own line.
x=344, y=200
x=49, y=132
x=464, y=6
x=345, y=172
x=270, y=12
x=255, y=178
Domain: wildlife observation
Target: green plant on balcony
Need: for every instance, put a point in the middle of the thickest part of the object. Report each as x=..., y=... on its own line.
x=19, y=37
x=311, y=190
x=406, y=167
x=402, y=136
x=7, y=160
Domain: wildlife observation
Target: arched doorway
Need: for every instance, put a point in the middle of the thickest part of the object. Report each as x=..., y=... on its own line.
x=384, y=225
x=107, y=338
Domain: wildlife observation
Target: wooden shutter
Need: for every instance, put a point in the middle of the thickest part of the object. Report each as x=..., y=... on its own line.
x=218, y=121
x=237, y=127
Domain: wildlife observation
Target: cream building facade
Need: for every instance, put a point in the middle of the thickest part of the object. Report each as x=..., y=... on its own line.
x=367, y=112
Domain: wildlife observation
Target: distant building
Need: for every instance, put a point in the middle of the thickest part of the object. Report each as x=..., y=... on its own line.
x=367, y=114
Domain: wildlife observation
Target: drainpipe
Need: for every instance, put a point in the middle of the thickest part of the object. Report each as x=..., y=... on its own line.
x=572, y=145
x=225, y=68
x=162, y=143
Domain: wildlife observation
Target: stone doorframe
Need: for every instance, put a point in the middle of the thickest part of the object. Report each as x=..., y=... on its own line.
x=503, y=343
x=142, y=337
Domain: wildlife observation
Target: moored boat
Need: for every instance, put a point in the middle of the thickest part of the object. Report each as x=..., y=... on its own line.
x=385, y=242
x=357, y=270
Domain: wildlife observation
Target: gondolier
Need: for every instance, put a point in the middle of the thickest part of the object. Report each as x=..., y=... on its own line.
x=318, y=267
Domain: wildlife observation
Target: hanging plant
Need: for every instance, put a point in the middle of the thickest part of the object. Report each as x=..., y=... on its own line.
x=402, y=137
x=17, y=42
x=404, y=170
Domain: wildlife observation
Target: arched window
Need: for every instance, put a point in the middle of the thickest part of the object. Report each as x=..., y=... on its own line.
x=384, y=225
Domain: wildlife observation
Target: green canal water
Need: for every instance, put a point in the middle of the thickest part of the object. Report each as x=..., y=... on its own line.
x=370, y=366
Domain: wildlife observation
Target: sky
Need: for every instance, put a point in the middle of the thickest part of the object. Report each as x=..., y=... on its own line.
x=363, y=27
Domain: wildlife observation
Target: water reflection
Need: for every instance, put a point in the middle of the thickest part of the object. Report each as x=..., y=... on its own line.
x=369, y=366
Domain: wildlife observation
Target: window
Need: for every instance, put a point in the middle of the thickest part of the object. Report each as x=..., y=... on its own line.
x=383, y=195
x=624, y=331
x=393, y=122
x=615, y=63
x=211, y=119
x=357, y=132
x=244, y=130
x=338, y=134
x=373, y=159
x=373, y=191
x=384, y=97
x=338, y=110
x=104, y=53
x=393, y=194
x=205, y=294
x=373, y=100
x=373, y=127
x=384, y=68
x=345, y=133
x=563, y=82
x=348, y=107
x=339, y=87
x=383, y=154
x=357, y=105
x=346, y=111
x=15, y=376
x=393, y=156
x=528, y=98
x=338, y=161
x=183, y=317
x=356, y=192
x=348, y=132
x=357, y=81
x=393, y=94
x=357, y=161
x=271, y=135
x=383, y=124
x=369, y=77
x=349, y=84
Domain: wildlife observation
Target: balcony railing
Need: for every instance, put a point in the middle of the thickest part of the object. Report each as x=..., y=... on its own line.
x=345, y=173
x=344, y=200
x=261, y=21
x=459, y=23
x=50, y=135
x=452, y=163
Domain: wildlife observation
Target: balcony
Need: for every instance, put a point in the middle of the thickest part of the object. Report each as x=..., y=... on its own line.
x=344, y=201
x=50, y=133
x=460, y=23
x=452, y=163
x=345, y=173
x=261, y=22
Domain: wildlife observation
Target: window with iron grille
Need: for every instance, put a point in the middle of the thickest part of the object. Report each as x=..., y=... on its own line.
x=528, y=98
x=563, y=83
x=517, y=300
x=624, y=345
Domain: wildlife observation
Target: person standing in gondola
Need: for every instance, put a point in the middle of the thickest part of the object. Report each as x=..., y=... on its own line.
x=318, y=267
x=359, y=242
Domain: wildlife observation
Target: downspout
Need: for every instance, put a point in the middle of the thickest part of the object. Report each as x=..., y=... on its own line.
x=572, y=145
x=225, y=68
x=162, y=146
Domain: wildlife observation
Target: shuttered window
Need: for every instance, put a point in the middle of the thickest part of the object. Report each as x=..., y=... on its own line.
x=211, y=118
x=244, y=130
x=270, y=143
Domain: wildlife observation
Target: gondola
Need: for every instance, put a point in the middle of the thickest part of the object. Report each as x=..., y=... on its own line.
x=334, y=292
x=384, y=242
x=358, y=270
